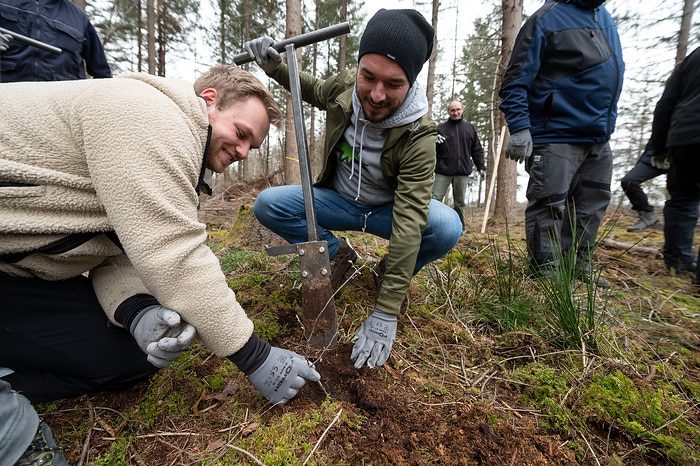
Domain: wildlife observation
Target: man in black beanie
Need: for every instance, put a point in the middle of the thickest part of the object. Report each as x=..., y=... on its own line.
x=379, y=162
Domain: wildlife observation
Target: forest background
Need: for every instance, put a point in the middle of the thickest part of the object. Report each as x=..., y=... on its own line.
x=490, y=366
x=182, y=38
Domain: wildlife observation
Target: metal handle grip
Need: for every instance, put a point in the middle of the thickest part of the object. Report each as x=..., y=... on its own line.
x=301, y=40
x=30, y=41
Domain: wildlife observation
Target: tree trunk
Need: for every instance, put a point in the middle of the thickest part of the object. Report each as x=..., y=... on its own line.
x=292, y=175
x=151, y=35
x=430, y=88
x=507, y=179
x=684, y=32
x=342, y=47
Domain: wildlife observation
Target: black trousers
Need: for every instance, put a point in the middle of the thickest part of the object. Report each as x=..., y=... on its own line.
x=59, y=342
x=681, y=209
x=631, y=184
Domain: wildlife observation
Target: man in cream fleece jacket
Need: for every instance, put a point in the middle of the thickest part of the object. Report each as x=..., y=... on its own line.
x=104, y=269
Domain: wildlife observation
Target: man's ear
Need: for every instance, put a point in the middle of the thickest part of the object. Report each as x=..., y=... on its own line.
x=210, y=95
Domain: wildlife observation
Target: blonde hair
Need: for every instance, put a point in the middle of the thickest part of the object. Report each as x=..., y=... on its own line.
x=236, y=85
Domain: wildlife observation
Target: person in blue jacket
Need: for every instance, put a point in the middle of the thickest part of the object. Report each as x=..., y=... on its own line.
x=58, y=23
x=559, y=97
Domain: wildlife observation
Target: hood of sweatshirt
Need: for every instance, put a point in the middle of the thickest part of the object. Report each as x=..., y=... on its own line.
x=359, y=175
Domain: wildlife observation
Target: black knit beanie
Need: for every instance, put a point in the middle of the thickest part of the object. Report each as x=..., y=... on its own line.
x=401, y=35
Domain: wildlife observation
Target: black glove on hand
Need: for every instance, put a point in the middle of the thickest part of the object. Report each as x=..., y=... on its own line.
x=276, y=373
x=519, y=146
x=161, y=334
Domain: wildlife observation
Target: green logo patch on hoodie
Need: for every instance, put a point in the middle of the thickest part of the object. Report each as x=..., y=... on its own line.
x=345, y=150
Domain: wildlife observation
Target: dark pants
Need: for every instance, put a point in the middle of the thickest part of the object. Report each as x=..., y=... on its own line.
x=631, y=183
x=568, y=192
x=681, y=209
x=59, y=342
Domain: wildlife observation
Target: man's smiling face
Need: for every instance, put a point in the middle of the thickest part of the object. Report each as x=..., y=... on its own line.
x=234, y=130
x=382, y=86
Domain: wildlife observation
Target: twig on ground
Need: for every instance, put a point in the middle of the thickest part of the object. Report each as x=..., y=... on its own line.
x=323, y=435
x=247, y=453
x=88, y=435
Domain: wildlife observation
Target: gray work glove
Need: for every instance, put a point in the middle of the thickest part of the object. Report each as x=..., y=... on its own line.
x=4, y=41
x=161, y=334
x=482, y=174
x=661, y=161
x=264, y=55
x=282, y=374
x=439, y=139
x=374, y=339
x=519, y=146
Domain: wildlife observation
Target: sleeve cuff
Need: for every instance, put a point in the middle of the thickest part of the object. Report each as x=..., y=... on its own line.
x=131, y=307
x=252, y=355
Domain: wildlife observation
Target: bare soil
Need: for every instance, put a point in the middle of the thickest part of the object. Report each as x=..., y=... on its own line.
x=403, y=423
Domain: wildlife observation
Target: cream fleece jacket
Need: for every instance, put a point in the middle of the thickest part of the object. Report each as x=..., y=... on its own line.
x=120, y=154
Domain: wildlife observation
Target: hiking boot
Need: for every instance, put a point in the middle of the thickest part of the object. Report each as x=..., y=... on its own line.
x=685, y=269
x=342, y=261
x=646, y=220
x=43, y=450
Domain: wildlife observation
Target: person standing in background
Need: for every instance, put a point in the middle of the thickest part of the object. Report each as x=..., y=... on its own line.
x=457, y=145
x=54, y=22
x=559, y=97
x=675, y=143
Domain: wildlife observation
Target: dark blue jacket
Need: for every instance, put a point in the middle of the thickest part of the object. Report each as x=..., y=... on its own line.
x=565, y=74
x=54, y=22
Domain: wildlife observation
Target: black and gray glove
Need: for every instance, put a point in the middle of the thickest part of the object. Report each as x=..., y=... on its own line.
x=519, y=146
x=265, y=56
x=276, y=373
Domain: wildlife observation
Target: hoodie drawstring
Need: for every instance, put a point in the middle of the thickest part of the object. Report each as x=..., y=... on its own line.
x=352, y=157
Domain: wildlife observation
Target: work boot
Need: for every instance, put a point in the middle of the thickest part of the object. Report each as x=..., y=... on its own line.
x=646, y=220
x=43, y=450
x=342, y=261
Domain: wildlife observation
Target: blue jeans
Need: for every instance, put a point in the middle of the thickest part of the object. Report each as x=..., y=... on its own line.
x=18, y=423
x=281, y=209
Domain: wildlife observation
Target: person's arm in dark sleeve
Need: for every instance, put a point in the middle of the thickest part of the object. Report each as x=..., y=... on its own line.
x=477, y=152
x=94, y=55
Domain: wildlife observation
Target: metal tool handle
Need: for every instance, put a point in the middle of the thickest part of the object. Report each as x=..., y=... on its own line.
x=301, y=40
x=302, y=146
x=32, y=42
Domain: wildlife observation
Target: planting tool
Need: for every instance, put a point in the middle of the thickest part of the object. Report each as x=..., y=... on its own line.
x=320, y=318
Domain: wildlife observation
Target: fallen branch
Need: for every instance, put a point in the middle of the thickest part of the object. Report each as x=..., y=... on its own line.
x=610, y=243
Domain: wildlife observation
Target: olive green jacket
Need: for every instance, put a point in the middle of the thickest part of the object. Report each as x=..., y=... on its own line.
x=408, y=164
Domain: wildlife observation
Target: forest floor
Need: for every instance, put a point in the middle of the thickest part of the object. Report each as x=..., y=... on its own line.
x=449, y=394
